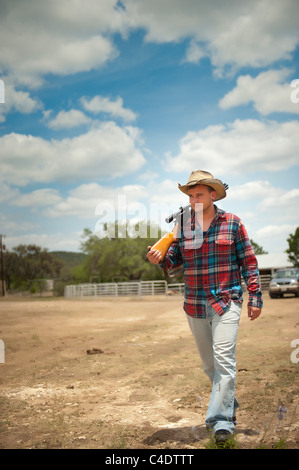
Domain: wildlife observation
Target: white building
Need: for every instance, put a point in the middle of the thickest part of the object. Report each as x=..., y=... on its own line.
x=270, y=262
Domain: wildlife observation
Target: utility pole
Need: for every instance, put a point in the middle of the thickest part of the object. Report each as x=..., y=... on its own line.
x=2, y=269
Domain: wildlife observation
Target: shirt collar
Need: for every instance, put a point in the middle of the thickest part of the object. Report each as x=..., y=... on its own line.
x=219, y=212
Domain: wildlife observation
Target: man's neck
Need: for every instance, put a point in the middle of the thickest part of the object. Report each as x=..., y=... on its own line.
x=207, y=217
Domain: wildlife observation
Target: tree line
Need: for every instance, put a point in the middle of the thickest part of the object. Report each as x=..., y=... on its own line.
x=116, y=259
x=106, y=259
x=26, y=265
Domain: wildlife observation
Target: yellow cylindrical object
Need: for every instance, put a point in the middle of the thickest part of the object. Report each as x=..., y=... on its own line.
x=164, y=243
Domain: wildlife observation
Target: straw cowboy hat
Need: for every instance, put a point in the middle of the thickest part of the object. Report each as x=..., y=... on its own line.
x=204, y=177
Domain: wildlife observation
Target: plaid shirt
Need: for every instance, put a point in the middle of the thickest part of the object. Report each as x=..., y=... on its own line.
x=212, y=271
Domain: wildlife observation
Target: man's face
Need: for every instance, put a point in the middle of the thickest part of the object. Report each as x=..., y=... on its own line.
x=201, y=194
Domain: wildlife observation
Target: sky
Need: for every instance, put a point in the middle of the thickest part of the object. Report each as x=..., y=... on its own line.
x=105, y=106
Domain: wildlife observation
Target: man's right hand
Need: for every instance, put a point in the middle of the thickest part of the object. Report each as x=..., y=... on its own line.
x=154, y=256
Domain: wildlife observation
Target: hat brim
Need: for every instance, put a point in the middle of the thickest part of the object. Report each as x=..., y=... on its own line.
x=217, y=185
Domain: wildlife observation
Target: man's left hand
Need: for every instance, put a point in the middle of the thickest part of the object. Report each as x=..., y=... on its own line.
x=253, y=312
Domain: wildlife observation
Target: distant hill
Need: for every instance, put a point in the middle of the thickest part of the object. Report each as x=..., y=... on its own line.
x=70, y=259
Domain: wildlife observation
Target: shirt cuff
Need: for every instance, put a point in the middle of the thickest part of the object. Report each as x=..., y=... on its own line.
x=255, y=301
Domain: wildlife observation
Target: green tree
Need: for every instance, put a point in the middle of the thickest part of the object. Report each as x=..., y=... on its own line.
x=258, y=250
x=12, y=271
x=293, y=250
x=28, y=262
x=118, y=257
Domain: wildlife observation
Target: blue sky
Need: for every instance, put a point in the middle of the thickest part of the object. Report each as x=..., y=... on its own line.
x=109, y=100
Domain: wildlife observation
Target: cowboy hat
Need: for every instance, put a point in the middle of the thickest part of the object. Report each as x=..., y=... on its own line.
x=204, y=177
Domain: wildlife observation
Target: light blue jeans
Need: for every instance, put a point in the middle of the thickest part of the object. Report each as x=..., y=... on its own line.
x=216, y=338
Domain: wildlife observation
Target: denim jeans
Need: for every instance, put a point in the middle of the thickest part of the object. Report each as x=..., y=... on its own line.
x=216, y=338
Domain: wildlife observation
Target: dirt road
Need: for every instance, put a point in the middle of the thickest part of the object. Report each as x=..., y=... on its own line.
x=125, y=373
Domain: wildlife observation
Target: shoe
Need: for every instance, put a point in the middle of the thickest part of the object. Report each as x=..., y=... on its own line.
x=222, y=436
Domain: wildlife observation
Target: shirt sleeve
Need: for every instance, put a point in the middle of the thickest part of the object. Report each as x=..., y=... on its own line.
x=173, y=258
x=249, y=267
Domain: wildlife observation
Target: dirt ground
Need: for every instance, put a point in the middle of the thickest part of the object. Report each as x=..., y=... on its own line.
x=124, y=373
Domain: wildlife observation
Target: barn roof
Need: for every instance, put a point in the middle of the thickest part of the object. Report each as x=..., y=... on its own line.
x=273, y=261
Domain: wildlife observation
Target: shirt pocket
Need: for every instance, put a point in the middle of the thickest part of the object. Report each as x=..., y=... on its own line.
x=224, y=247
x=224, y=243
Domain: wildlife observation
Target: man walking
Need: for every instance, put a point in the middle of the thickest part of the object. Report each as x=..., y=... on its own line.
x=213, y=292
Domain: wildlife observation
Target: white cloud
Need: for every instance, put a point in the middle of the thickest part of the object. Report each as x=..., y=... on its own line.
x=16, y=100
x=167, y=192
x=149, y=175
x=282, y=206
x=105, y=152
x=69, y=119
x=253, y=190
x=10, y=226
x=38, y=198
x=255, y=33
x=261, y=34
x=135, y=202
x=270, y=213
x=259, y=203
x=195, y=52
x=100, y=204
x=242, y=146
x=273, y=237
x=7, y=193
x=84, y=200
x=53, y=242
x=59, y=37
x=276, y=231
x=268, y=91
x=101, y=104
x=268, y=201
x=67, y=36
x=20, y=101
x=282, y=200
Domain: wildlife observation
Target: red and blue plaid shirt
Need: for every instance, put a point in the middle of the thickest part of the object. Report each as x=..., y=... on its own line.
x=212, y=270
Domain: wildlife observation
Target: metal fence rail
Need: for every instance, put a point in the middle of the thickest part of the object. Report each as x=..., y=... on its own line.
x=153, y=287
x=115, y=289
x=179, y=288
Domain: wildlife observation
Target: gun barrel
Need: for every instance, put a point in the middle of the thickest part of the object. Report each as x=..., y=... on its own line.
x=177, y=214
